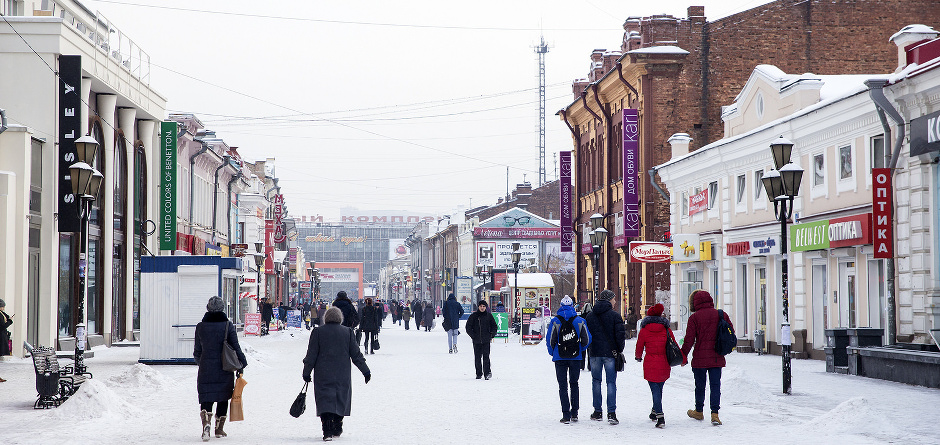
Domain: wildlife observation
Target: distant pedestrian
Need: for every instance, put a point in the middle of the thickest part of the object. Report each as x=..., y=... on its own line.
x=321, y=309
x=350, y=315
x=393, y=309
x=702, y=332
x=500, y=307
x=607, y=341
x=481, y=327
x=654, y=333
x=369, y=324
x=5, y=322
x=452, y=313
x=267, y=313
x=632, y=319
x=214, y=384
x=305, y=314
x=428, y=317
x=282, y=315
x=417, y=311
x=406, y=315
x=331, y=349
x=568, y=337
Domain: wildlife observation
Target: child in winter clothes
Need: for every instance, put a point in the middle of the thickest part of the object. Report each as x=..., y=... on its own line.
x=654, y=332
x=567, y=369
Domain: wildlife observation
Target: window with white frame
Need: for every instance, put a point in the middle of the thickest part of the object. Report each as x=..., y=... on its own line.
x=685, y=205
x=819, y=170
x=712, y=194
x=758, y=186
x=845, y=162
x=878, y=151
x=741, y=186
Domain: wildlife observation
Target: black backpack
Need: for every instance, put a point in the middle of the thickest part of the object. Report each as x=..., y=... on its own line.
x=569, y=344
x=726, y=340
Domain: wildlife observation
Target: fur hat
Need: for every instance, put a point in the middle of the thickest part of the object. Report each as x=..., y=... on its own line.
x=655, y=310
x=607, y=294
x=333, y=315
x=215, y=304
x=566, y=301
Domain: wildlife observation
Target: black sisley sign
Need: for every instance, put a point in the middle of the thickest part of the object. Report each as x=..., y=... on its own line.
x=70, y=81
x=925, y=134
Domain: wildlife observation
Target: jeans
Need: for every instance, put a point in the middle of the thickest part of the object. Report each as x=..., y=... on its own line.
x=657, y=389
x=605, y=364
x=452, y=338
x=367, y=344
x=714, y=381
x=567, y=373
x=481, y=358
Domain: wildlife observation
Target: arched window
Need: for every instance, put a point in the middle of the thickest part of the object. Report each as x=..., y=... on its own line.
x=140, y=219
x=119, y=248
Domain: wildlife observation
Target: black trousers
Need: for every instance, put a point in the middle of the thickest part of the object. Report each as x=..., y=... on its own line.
x=332, y=424
x=367, y=346
x=481, y=358
x=221, y=408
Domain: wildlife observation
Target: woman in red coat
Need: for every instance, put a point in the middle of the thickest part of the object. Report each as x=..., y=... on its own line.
x=654, y=330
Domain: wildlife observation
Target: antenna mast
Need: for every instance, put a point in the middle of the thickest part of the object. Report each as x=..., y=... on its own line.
x=541, y=50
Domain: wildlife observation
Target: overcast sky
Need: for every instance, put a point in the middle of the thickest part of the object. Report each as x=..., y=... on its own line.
x=382, y=105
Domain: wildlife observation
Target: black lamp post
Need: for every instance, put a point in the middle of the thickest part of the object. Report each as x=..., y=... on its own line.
x=259, y=263
x=598, y=238
x=482, y=270
x=86, y=182
x=316, y=284
x=782, y=185
x=429, y=279
x=516, y=257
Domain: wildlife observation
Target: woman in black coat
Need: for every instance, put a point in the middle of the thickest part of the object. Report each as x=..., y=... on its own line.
x=331, y=349
x=428, y=315
x=369, y=324
x=5, y=322
x=214, y=384
x=481, y=327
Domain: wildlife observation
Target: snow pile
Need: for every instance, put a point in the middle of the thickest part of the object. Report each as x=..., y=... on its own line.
x=140, y=376
x=737, y=388
x=256, y=359
x=96, y=400
x=853, y=416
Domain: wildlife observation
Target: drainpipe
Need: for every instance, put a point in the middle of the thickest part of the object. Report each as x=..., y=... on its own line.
x=609, y=201
x=656, y=186
x=577, y=201
x=624, y=81
x=192, y=181
x=228, y=197
x=215, y=193
x=3, y=120
x=883, y=105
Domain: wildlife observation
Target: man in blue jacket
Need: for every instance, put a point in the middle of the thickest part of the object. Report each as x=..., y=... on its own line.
x=568, y=337
x=452, y=313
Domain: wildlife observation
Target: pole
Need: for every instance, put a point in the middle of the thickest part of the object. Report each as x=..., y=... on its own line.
x=597, y=274
x=80, y=334
x=786, y=207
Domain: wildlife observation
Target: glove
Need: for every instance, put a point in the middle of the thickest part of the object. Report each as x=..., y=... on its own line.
x=368, y=377
x=638, y=360
x=307, y=378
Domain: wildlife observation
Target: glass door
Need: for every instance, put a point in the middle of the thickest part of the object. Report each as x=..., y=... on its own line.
x=877, y=293
x=847, y=308
x=760, y=292
x=820, y=306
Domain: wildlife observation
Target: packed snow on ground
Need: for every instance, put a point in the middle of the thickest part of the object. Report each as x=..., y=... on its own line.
x=420, y=394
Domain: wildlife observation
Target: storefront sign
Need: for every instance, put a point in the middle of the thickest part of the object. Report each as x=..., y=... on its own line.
x=765, y=247
x=650, y=252
x=631, y=168
x=565, y=210
x=620, y=239
x=925, y=134
x=809, y=236
x=882, y=213
x=339, y=277
x=502, y=324
x=686, y=247
x=70, y=119
x=524, y=233
x=269, y=246
x=252, y=324
x=278, y=205
x=698, y=202
x=531, y=324
x=850, y=230
x=586, y=247
x=239, y=249
x=738, y=248
x=167, y=231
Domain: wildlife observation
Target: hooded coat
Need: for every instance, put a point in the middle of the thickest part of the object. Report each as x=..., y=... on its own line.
x=452, y=313
x=212, y=382
x=702, y=332
x=584, y=336
x=481, y=326
x=369, y=318
x=606, y=328
x=350, y=316
x=428, y=315
x=654, y=330
x=417, y=310
x=331, y=349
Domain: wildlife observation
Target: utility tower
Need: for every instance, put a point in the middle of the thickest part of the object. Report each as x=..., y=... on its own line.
x=541, y=50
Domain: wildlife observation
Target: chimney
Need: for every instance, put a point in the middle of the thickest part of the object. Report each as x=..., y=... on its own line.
x=680, y=144
x=908, y=37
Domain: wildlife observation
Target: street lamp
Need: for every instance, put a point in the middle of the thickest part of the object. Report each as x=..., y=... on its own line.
x=429, y=279
x=598, y=238
x=482, y=270
x=86, y=182
x=516, y=256
x=782, y=185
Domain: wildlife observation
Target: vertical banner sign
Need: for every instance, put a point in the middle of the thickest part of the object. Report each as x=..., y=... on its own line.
x=269, y=246
x=70, y=80
x=279, y=236
x=564, y=187
x=631, y=168
x=167, y=185
x=882, y=217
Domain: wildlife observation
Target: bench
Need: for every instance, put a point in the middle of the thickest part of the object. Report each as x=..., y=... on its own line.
x=54, y=384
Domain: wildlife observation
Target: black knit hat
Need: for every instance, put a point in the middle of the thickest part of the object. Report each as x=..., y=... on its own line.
x=483, y=303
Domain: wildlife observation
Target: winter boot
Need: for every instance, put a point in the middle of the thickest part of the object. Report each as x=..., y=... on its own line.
x=715, y=420
x=455, y=349
x=206, y=417
x=612, y=418
x=653, y=415
x=574, y=416
x=565, y=418
x=327, y=427
x=697, y=415
x=597, y=415
x=219, y=423
x=660, y=420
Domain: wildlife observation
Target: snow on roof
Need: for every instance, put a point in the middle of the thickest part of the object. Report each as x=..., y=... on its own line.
x=529, y=280
x=914, y=29
x=664, y=49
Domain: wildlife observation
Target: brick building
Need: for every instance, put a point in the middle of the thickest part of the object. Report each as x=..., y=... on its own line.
x=542, y=201
x=678, y=73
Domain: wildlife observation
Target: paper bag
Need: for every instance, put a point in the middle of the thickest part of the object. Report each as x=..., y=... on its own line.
x=235, y=412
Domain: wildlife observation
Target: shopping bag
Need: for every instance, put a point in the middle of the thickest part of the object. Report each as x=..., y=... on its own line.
x=235, y=412
x=300, y=403
x=375, y=342
x=673, y=352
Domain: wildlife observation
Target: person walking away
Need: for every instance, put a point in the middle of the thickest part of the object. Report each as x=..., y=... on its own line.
x=306, y=315
x=607, y=339
x=632, y=319
x=700, y=336
x=428, y=317
x=393, y=309
x=214, y=384
x=417, y=311
x=267, y=313
x=369, y=324
x=452, y=313
x=331, y=349
x=500, y=307
x=320, y=311
x=654, y=333
x=406, y=314
x=568, y=337
x=481, y=327
x=350, y=315
x=282, y=316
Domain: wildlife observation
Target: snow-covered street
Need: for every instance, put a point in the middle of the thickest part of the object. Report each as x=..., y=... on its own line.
x=420, y=394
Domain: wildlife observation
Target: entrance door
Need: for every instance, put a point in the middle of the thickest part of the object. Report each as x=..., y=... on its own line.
x=32, y=329
x=876, y=293
x=847, y=307
x=820, y=306
x=760, y=291
x=692, y=280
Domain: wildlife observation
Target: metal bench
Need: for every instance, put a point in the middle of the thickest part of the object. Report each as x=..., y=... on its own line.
x=54, y=384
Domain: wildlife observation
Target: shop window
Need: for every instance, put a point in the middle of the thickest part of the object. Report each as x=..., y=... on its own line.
x=845, y=162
